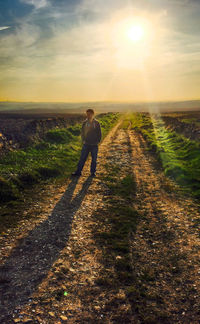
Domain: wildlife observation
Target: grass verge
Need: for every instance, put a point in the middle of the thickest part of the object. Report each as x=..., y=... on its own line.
x=179, y=156
x=52, y=159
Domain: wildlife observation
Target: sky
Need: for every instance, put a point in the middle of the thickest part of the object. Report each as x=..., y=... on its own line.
x=99, y=50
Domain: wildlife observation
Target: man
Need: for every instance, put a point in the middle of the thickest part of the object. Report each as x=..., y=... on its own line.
x=91, y=136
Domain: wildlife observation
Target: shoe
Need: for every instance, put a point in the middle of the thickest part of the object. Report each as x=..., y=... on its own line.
x=93, y=175
x=76, y=174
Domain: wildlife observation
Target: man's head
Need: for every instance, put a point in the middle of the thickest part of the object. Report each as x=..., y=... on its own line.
x=90, y=113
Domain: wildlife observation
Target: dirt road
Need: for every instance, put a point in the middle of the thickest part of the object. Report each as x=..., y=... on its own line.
x=50, y=274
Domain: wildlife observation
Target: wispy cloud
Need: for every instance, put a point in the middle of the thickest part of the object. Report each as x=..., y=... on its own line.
x=36, y=3
x=4, y=27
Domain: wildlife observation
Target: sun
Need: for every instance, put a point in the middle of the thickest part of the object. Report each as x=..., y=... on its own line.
x=132, y=40
x=135, y=33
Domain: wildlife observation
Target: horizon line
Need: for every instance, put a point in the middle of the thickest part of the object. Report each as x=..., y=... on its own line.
x=101, y=101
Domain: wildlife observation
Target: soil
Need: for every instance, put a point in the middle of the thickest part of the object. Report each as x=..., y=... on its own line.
x=18, y=130
x=189, y=130
x=51, y=262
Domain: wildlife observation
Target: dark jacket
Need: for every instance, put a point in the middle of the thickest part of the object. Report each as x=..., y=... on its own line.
x=91, y=132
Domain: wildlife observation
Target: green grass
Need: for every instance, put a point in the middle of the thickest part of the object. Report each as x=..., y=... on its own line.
x=119, y=221
x=114, y=233
x=126, y=122
x=191, y=121
x=54, y=156
x=7, y=191
x=124, y=188
x=108, y=121
x=179, y=156
x=60, y=136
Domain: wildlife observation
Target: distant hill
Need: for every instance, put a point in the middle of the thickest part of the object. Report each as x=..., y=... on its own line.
x=61, y=108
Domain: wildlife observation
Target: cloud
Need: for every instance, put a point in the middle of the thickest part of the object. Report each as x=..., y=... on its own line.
x=36, y=3
x=4, y=27
x=74, y=46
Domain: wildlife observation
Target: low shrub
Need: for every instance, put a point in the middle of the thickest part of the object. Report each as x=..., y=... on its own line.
x=28, y=178
x=7, y=191
x=75, y=130
x=59, y=136
x=46, y=172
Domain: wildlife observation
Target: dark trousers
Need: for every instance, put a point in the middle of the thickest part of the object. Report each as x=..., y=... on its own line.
x=86, y=149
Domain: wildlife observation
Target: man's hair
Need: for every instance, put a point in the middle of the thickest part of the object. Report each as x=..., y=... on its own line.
x=90, y=110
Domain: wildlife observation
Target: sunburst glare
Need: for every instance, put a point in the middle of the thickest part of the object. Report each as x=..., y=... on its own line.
x=135, y=33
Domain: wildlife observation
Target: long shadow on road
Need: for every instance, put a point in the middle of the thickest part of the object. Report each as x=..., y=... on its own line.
x=31, y=260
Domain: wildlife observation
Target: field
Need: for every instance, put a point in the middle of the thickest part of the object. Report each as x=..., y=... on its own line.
x=19, y=129
x=175, y=140
x=122, y=247
x=38, y=149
